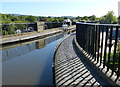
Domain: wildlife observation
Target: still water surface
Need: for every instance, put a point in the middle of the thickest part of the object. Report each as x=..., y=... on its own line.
x=29, y=63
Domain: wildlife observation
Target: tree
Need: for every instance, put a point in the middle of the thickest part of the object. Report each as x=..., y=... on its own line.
x=65, y=17
x=92, y=18
x=49, y=19
x=78, y=17
x=55, y=20
x=85, y=18
x=4, y=32
x=41, y=18
x=10, y=29
x=14, y=19
x=5, y=19
x=60, y=19
x=31, y=19
x=109, y=18
x=20, y=26
x=22, y=18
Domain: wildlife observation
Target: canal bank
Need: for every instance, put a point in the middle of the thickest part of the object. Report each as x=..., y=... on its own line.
x=32, y=35
x=24, y=37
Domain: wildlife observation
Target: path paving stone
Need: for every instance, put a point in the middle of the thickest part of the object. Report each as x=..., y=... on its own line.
x=70, y=69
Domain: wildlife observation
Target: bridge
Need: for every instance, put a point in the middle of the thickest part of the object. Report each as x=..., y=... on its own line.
x=91, y=57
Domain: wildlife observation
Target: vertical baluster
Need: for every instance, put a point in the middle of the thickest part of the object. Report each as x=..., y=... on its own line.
x=95, y=40
x=89, y=43
x=92, y=41
x=87, y=39
x=102, y=31
x=115, y=46
x=110, y=45
x=98, y=43
x=105, y=49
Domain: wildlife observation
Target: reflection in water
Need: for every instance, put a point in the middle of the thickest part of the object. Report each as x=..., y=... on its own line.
x=18, y=51
x=28, y=47
x=40, y=44
x=29, y=63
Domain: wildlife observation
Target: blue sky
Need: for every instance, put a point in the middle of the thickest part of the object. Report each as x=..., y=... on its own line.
x=60, y=8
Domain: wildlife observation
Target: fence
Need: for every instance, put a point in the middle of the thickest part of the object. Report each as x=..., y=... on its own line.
x=102, y=43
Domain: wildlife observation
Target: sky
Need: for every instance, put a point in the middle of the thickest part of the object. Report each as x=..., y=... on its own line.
x=59, y=7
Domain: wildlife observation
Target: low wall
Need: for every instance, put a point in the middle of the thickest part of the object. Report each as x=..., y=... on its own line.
x=27, y=37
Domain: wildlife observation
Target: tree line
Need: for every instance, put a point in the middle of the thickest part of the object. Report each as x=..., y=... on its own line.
x=106, y=19
x=109, y=18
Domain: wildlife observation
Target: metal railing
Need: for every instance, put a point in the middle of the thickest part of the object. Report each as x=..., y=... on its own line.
x=102, y=43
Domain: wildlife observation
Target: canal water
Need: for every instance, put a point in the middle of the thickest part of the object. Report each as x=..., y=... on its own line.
x=29, y=63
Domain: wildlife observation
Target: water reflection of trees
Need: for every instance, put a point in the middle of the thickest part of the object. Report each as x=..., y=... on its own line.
x=20, y=49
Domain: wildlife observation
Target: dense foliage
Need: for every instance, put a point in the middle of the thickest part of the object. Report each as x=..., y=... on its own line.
x=10, y=29
x=7, y=18
x=109, y=18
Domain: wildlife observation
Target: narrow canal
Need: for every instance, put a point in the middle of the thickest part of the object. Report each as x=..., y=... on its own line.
x=29, y=63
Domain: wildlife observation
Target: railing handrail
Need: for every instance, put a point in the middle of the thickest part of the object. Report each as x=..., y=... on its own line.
x=99, y=24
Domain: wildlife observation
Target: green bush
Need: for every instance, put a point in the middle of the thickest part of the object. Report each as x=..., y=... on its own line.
x=20, y=26
x=4, y=32
x=9, y=29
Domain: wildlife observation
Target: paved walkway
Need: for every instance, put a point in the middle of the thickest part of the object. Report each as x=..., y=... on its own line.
x=71, y=69
x=29, y=36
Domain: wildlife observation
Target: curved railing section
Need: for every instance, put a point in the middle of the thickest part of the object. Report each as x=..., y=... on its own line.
x=101, y=42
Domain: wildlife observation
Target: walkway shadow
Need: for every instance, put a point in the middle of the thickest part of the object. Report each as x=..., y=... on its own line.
x=72, y=70
x=93, y=71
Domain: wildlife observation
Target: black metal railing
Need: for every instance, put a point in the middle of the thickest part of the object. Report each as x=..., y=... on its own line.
x=102, y=43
